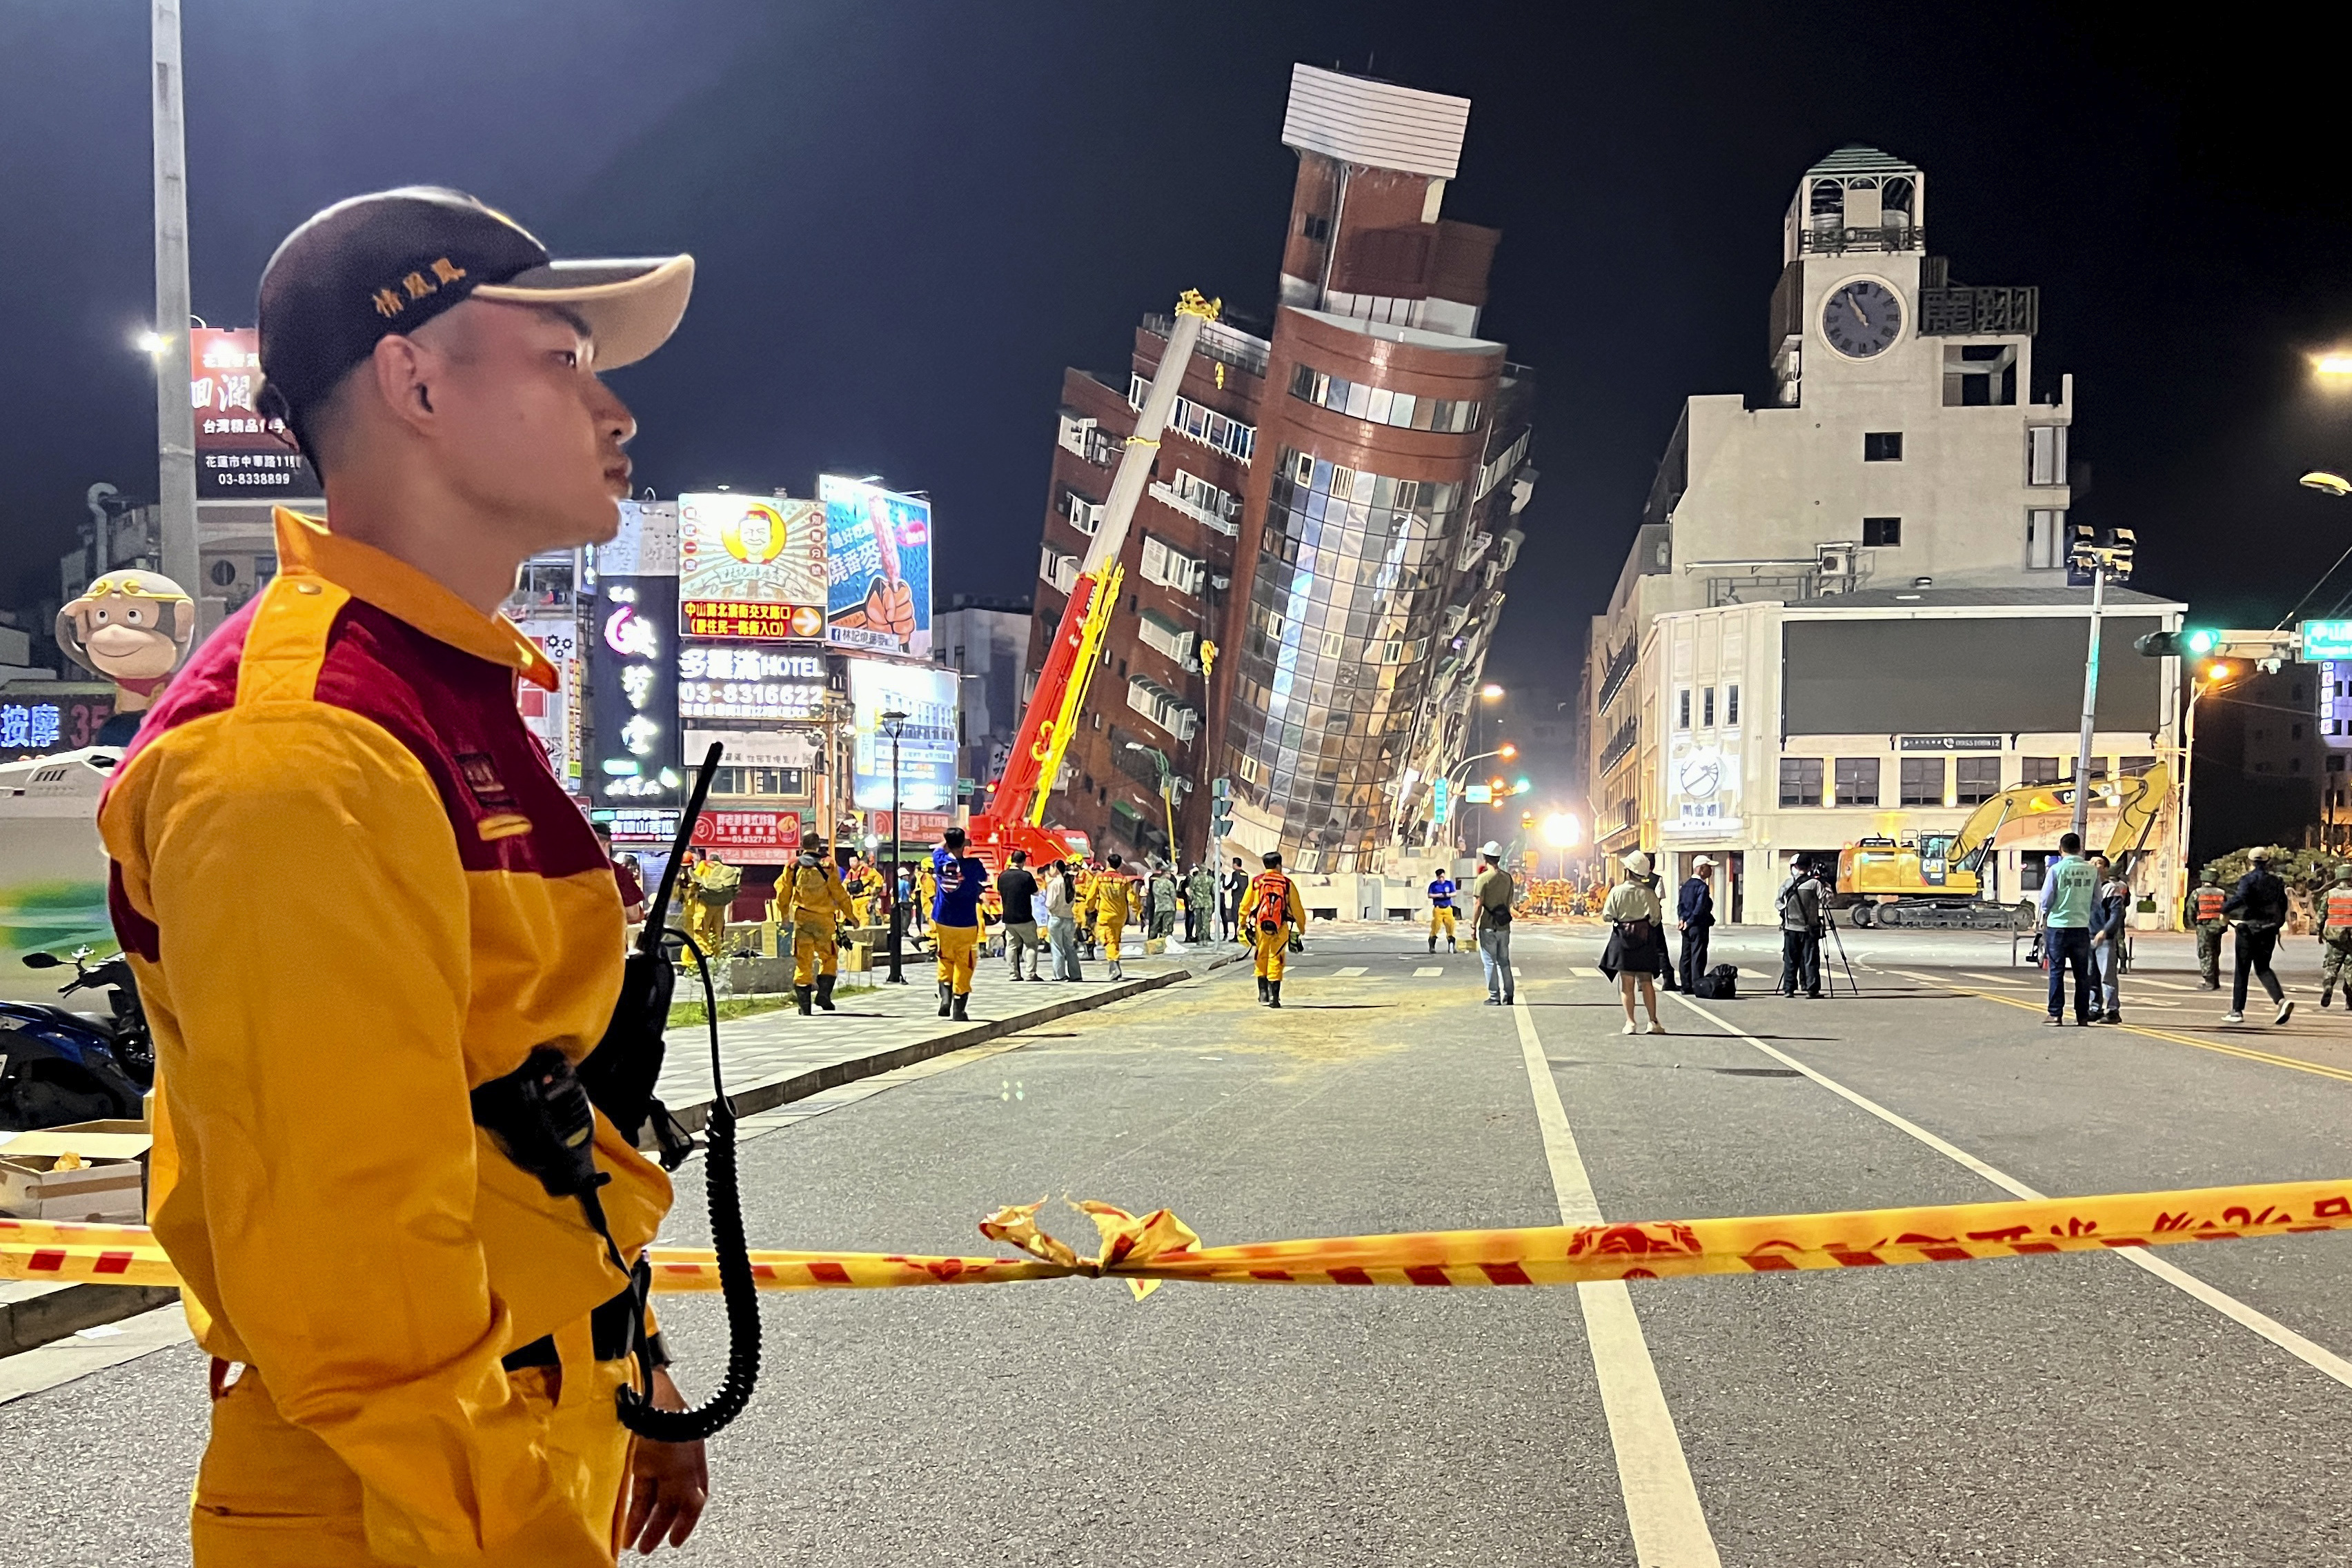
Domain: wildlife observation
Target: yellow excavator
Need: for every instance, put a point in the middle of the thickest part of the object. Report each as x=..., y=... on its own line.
x=1934, y=880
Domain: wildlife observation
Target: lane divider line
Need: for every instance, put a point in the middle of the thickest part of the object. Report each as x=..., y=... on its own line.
x=2218, y=1046
x=2316, y=1357
x=1661, y=1506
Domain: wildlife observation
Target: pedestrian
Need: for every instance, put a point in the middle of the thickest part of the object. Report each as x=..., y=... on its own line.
x=2070, y=886
x=2259, y=901
x=2107, y=916
x=811, y=905
x=1272, y=911
x=1201, y=897
x=1637, y=941
x=2336, y=936
x=955, y=920
x=1694, y=915
x=1441, y=890
x=2204, y=917
x=1655, y=882
x=1061, y=920
x=1236, y=886
x=1799, y=904
x=631, y=887
x=1018, y=891
x=716, y=883
x=1114, y=904
x=390, y=1292
x=1491, y=896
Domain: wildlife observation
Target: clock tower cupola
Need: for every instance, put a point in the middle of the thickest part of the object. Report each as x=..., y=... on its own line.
x=1850, y=250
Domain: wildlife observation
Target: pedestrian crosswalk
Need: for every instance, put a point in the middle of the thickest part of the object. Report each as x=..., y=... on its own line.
x=1352, y=972
x=1426, y=973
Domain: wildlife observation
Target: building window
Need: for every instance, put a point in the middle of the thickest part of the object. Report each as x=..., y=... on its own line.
x=1380, y=405
x=1882, y=530
x=1857, y=781
x=2031, y=864
x=1923, y=782
x=2044, y=528
x=789, y=783
x=1978, y=375
x=1980, y=779
x=2045, y=455
x=1682, y=708
x=1315, y=225
x=1882, y=446
x=1706, y=707
x=1801, y=780
x=2038, y=770
x=1731, y=704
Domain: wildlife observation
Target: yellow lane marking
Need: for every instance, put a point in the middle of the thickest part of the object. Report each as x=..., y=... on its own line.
x=2297, y=1064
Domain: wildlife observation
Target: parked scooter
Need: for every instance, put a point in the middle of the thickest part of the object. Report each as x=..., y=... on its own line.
x=58, y=1067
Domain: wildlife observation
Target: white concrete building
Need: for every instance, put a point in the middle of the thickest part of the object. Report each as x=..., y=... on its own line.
x=1846, y=612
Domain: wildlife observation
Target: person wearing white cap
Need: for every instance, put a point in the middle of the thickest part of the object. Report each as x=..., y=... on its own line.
x=1695, y=915
x=1637, y=943
x=1491, y=896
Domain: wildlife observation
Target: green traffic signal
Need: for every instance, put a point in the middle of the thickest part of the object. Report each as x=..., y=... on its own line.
x=2189, y=643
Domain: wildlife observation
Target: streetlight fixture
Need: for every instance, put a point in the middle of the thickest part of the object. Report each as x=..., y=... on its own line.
x=2332, y=484
x=894, y=725
x=2335, y=362
x=1561, y=831
x=1166, y=772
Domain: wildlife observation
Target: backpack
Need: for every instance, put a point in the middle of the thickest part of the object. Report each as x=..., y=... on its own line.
x=715, y=887
x=1721, y=984
x=1273, y=901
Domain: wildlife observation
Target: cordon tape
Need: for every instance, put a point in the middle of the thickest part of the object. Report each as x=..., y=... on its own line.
x=1149, y=1249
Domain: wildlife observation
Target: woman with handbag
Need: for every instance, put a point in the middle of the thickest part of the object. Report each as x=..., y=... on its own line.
x=1637, y=941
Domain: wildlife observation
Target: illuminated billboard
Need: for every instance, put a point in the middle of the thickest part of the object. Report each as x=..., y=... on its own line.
x=633, y=662
x=926, y=694
x=553, y=717
x=721, y=681
x=878, y=548
x=751, y=566
x=241, y=454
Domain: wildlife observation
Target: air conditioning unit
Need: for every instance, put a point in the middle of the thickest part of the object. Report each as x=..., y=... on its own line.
x=1834, y=561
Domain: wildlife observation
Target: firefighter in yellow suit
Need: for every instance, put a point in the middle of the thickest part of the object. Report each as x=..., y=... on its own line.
x=813, y=904
x=416, y=1349
x=1271, y=910
x=1113, y=903
x=710, y=894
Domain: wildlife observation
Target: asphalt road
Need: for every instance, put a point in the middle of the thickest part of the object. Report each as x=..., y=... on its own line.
x=2071, y=1409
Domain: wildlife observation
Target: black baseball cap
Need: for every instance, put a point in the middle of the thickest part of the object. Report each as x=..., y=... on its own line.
x=376, y=265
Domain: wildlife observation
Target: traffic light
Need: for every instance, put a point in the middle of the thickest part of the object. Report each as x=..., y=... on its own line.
x=1523, y=786
x=2189, y=643
x=1221, y=810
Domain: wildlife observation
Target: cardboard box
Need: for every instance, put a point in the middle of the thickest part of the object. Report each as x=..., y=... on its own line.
x=110, y=1186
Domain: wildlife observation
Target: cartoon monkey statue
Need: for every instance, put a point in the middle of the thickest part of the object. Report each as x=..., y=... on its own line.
x=131, y=627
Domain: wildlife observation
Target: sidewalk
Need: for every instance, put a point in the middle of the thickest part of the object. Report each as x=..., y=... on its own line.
x=772, y=1059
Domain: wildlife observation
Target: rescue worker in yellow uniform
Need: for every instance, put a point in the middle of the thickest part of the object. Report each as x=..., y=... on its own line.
x=1271, y=910
x=1441, y=888
x=955, y=920
x=2206, y=919
x=415, y=1350
x=709, y=899
x=1113, y=902
x=813, y=904
x=2336, y=936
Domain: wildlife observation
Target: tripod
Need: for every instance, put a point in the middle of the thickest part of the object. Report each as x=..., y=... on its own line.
x=1829, y=922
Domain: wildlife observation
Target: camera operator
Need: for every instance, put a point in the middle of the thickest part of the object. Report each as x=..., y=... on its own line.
x=416, y=1349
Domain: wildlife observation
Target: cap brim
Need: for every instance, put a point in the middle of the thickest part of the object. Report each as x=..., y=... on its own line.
x=631, y=306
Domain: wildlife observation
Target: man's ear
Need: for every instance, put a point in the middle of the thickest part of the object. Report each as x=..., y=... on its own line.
x=403, y=372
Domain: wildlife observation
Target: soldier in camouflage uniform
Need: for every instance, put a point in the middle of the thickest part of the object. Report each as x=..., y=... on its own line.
x=2336, y=936
x=2205, y=919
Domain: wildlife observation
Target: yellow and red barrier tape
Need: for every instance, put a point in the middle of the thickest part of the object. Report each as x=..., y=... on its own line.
x=1148, y=1250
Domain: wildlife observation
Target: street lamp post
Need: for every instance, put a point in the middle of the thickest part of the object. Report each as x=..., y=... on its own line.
x=1489, y=693
x=894, y=725
x=1165, y=772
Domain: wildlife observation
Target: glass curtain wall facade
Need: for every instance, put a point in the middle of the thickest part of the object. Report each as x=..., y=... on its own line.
x=1350, y=564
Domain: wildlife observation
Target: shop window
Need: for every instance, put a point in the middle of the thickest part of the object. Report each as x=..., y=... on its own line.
x=1923, y=782
x=2031, y=864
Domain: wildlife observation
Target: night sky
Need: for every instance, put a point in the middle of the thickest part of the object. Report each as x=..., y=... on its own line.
x=909, y=218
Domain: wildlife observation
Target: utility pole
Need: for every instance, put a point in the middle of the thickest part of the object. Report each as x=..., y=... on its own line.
x=175, y=419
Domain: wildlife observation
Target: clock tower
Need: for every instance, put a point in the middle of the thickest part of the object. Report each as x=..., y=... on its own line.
x=1851, y=250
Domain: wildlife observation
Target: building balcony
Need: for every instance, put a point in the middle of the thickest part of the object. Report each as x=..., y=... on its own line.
x=1219, y=341
x=1226, y=523
x=1620, y=745
x=1621, y=665
x=1832, y=239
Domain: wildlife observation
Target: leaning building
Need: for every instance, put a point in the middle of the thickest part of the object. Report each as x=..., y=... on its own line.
x=1317, y=566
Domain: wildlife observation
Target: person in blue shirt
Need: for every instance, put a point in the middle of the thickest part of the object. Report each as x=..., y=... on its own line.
x=1441, y=911
x=1694, y=915
x=955, y=920
x=2070, y=889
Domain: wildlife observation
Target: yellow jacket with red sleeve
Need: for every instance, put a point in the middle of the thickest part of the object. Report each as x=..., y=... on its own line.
x=352, y=891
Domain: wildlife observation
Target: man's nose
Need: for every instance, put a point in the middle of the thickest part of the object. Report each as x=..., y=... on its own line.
x=613, y=415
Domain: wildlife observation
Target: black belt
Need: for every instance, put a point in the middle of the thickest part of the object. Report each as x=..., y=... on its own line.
x=608, y=1335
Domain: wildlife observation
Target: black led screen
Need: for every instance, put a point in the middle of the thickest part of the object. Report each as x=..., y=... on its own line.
x=1854, y=676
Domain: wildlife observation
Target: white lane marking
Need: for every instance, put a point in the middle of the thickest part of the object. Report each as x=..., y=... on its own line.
x=1662, y=1507
x=1350, y=973
x=2317, y=1357
x=1424, y=973
x=1757, y=975
x=1586, y=973
x=59, y=1362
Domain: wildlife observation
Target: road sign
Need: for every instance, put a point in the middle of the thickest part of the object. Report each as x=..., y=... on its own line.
x=2327, y=640
x=1478, y=794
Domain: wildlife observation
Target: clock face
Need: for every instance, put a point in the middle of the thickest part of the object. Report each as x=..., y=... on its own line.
x=1863, y=318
